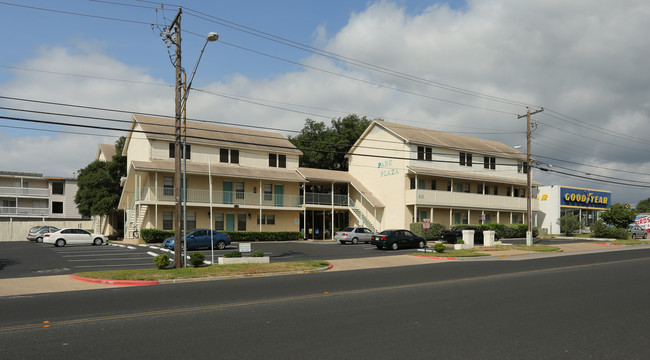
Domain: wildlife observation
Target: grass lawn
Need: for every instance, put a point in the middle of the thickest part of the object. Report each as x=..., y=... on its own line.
x=628, y=242
x=205, y=271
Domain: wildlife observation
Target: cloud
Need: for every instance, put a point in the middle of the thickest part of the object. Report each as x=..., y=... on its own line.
x=583, y=59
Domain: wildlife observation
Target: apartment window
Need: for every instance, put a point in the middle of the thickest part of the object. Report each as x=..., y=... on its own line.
x=57, y=207
x=234, y=156
x=9, y=203
x=57, y=188
x=191, y=220
x=168, y=220
x=223, y=155
x=421, y=184
x=516, y=194
x=268, y=192
x=465, y=159
x=496, y=190
x=460, y=218
x=218, y=221
x=521, y=167
x=270, y=219
x=412, y=183
x=523, y=192
x=433, y=184
x=449, y=185
x=168, y=185
x=172, y=151
x=479, y=189
x=487, y=189
x=420, y=152
x=263, y=219
x=508, y=191
x=273, y=160
x=489, y=162
x=466, y=188
x=239, y=190
x=428, y=154
x=282, y=161
x=425, y=153
x=241, y=222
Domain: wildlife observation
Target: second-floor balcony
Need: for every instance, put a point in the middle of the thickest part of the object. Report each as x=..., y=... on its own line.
x=199, y=196
x=24, y=211
x=24, y=192
x=422, y=197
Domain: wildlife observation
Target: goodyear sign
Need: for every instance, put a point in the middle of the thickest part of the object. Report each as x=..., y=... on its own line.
x=585, y=198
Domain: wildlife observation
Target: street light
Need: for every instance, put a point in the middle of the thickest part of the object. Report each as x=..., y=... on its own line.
x=212, y=36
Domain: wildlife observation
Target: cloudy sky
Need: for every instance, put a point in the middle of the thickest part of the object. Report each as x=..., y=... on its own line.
x=468, y=67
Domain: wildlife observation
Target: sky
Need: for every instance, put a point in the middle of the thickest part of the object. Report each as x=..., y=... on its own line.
x=466, y=67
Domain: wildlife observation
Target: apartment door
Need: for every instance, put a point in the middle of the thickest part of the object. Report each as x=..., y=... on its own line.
x=227, y=192
x=230, y=222
x=279, y=199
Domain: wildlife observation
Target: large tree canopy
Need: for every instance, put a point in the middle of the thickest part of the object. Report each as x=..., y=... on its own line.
x=643, y=206
x=325, y=147
x=618, y=216
x=98, y=184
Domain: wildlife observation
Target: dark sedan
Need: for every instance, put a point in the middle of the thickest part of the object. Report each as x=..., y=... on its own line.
x=453, y=235
x=200, y=238
x=396, y=239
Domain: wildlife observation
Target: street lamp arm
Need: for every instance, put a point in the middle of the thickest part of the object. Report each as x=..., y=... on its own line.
x=211, y=37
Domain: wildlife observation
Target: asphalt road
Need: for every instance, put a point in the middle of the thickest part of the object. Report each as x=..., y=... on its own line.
x=25, y=258
x=591, y=306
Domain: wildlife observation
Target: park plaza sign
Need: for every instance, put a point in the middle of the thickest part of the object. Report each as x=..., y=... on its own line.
x=585, y=198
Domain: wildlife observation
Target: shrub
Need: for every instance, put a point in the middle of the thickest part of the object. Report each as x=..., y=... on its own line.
x=431, y=234
x=257, y=253
x=197, y=259
x=155, y=235
x=569, y=223
x=460, y=241
x=161, y=261
x=600, y=230
x=250, y=236
x=439, y=248
x=233, y=254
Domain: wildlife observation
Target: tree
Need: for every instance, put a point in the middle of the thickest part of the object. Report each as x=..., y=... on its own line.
x=569, y=223
x=618, y=216
x=98, y=184
x=643, y=206
x=325, y=147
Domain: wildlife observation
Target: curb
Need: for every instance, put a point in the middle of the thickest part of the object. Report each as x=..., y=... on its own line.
x=115, y=282
x=437, y=257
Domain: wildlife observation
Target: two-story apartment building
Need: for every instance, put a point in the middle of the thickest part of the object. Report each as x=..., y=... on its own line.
x=28, y=199
x=418, y=174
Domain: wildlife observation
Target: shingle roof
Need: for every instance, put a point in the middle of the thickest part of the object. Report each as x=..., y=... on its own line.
x=218, y=135
x=442, y=139
x=108, y=150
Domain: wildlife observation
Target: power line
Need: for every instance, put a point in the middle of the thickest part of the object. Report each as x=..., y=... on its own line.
x=77, y=14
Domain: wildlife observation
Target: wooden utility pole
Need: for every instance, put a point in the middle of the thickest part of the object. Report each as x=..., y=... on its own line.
x=529, y=183
x=178, y=152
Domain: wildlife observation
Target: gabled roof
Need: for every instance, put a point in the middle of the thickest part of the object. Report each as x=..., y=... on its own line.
x=440, y=139
x=108, y=151
x=217, y=135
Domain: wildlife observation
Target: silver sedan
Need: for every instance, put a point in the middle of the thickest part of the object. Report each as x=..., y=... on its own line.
x=353, y=235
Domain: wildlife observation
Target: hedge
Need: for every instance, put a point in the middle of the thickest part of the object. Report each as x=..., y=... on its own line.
x=265, y=235
x=434, y=232
x=601, y=230
x=155, y=235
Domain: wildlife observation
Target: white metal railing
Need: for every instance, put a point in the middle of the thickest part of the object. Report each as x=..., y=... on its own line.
x=219, y=197
x=18, y=191
x=25, y=211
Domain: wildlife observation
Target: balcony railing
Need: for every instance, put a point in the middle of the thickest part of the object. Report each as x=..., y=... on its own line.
x=240, y=198
x=24, y=211
x=18, y=191
x=461, y=199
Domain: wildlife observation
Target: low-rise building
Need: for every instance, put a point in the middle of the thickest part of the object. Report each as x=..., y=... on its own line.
x=556, y=201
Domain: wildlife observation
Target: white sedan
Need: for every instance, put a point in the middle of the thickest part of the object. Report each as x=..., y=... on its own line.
x=74, y=236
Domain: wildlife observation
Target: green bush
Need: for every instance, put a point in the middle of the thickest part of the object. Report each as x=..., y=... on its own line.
x=506, y=231
x=197, y=259
x=460, y=241
x=569, y=223
x=233, y=254
x=257, y=253
x=155, y=235
x=161, y=261
x=431, y=234
x=251, y=236
x=600, y=230
x=439, y=248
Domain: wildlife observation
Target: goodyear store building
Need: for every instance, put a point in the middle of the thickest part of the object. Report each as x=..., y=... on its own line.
x=556, y=201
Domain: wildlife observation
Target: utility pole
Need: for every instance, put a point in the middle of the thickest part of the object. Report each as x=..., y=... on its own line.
x=529, y=183
x=178, y=152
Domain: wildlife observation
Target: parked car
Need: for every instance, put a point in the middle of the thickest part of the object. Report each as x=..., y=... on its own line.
x=453, y=235
x=38, y=234
x=200, y=238
x=637, y=232
x=396, y=239
x=74, y=236
x=353, y=235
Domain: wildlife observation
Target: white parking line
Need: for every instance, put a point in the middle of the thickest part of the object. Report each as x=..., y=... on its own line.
x=115, y=265
x=152, y=253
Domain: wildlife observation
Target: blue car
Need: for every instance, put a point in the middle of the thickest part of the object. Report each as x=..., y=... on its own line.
x=200, y=238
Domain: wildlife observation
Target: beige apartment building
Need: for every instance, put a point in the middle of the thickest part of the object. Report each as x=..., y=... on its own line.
x=249, y=180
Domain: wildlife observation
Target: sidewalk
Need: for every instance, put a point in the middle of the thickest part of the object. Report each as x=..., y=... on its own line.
x=60, y=283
